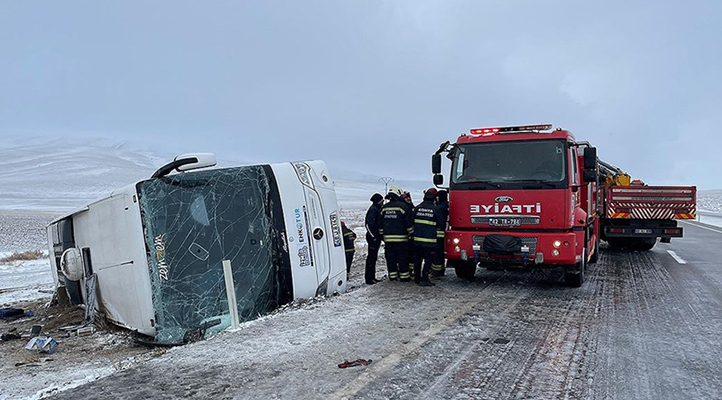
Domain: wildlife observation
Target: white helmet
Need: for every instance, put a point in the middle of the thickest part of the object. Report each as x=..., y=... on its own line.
x=396, y=190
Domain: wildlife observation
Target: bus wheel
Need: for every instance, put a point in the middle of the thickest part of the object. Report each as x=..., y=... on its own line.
x=574, y=275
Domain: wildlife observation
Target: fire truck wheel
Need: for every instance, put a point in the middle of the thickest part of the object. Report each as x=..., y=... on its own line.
x=574, y=275
x=646, y=244
x=464, y=269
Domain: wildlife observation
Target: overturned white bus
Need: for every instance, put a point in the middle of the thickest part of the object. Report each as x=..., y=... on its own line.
x=155, y=250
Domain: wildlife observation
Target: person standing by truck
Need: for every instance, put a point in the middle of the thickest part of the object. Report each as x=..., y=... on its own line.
x=373, y=237
x=398, y=225
x=438, y=268
x=427, y=225
x=348, y=238
x=406, y=197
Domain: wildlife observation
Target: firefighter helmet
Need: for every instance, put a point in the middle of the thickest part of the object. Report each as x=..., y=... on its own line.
x=396, y=190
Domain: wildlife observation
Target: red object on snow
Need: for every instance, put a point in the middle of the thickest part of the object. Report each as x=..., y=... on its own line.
x=355, y=363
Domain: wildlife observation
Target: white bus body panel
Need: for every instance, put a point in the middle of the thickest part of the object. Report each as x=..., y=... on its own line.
x=316, y=264
x=112, y=229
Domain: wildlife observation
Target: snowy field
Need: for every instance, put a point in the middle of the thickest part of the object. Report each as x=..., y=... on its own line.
x=709, y=206
x=26, y=280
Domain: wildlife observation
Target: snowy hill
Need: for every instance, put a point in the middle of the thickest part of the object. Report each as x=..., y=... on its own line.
x=60, y=175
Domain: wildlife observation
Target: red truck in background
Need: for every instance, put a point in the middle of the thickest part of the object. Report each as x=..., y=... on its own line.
x=634, y=215
x=531, y=196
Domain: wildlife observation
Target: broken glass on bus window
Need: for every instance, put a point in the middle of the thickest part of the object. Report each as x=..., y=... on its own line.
x=192, y=222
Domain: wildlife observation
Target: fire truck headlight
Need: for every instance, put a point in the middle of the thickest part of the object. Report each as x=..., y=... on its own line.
x=557, y=244
x=555, y=252
x=457, y=249
x=456, y=240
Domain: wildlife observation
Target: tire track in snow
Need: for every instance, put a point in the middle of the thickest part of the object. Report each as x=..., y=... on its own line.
x=419, y=340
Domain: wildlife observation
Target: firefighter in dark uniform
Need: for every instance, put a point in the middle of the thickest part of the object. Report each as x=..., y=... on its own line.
x=398, y=225
x=406, y=197
x=438, y=268
x=373, y=237
x=427, y=225
x=348, y=238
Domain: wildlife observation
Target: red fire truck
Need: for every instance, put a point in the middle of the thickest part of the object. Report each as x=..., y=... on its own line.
x=531, y=196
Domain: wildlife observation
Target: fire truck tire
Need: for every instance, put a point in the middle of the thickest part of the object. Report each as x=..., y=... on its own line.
x=646, y=244
x=464, y=269
x=574, y=276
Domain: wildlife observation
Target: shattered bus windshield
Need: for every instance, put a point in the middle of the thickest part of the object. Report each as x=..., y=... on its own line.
x=510, y=164
x=194, y=221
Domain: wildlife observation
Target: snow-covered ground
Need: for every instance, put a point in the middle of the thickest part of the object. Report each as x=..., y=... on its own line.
x=41, y=174
x=710, y=200
x=25, y=280
x=709, y=207
x=61, y=175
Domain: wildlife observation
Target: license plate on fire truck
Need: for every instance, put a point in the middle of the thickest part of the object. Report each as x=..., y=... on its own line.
x=504, y=221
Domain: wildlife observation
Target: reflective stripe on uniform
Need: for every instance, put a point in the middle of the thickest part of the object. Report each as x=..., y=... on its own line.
x=437, y=267
x=410, y=229
x=425, y=240
x=440, y=234
x=350, y=250
x=424, y=221
x=395, y=238
x=405, y=275
x=395, y=209
x=348, y=234
x=393, y=275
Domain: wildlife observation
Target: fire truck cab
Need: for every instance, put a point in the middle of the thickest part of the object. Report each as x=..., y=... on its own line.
x=521, y=196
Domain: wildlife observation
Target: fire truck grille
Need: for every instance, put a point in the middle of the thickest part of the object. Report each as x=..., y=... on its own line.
x=525, y=241
x=526, y=220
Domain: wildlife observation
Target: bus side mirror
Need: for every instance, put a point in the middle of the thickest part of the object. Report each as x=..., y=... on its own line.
x=590, y=158
x=186, y=162
x=438, y=179
x=436, y=164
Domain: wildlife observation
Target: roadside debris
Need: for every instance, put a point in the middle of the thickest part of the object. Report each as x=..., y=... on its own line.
x=78, y=330
x=356, y=363
x=13, y=313
x=11, y=335
x=42, y=344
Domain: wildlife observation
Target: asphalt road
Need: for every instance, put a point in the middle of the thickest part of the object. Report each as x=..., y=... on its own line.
x=645, y=325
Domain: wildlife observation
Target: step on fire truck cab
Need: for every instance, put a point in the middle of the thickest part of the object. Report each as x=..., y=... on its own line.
x=178, y=257
x=522, y=196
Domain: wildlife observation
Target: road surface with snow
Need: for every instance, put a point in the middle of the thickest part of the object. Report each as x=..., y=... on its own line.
x=645, y=325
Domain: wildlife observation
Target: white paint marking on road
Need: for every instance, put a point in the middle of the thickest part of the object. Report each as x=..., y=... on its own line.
x=676, y=257
x=700, y=226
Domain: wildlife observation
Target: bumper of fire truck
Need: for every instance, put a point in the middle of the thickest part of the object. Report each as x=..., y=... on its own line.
x=625, y=228
x=538, y=248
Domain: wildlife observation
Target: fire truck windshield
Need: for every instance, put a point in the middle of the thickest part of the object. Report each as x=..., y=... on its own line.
x=510, y=164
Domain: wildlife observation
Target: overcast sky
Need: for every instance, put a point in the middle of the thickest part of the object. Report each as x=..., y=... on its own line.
x=370, y=86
